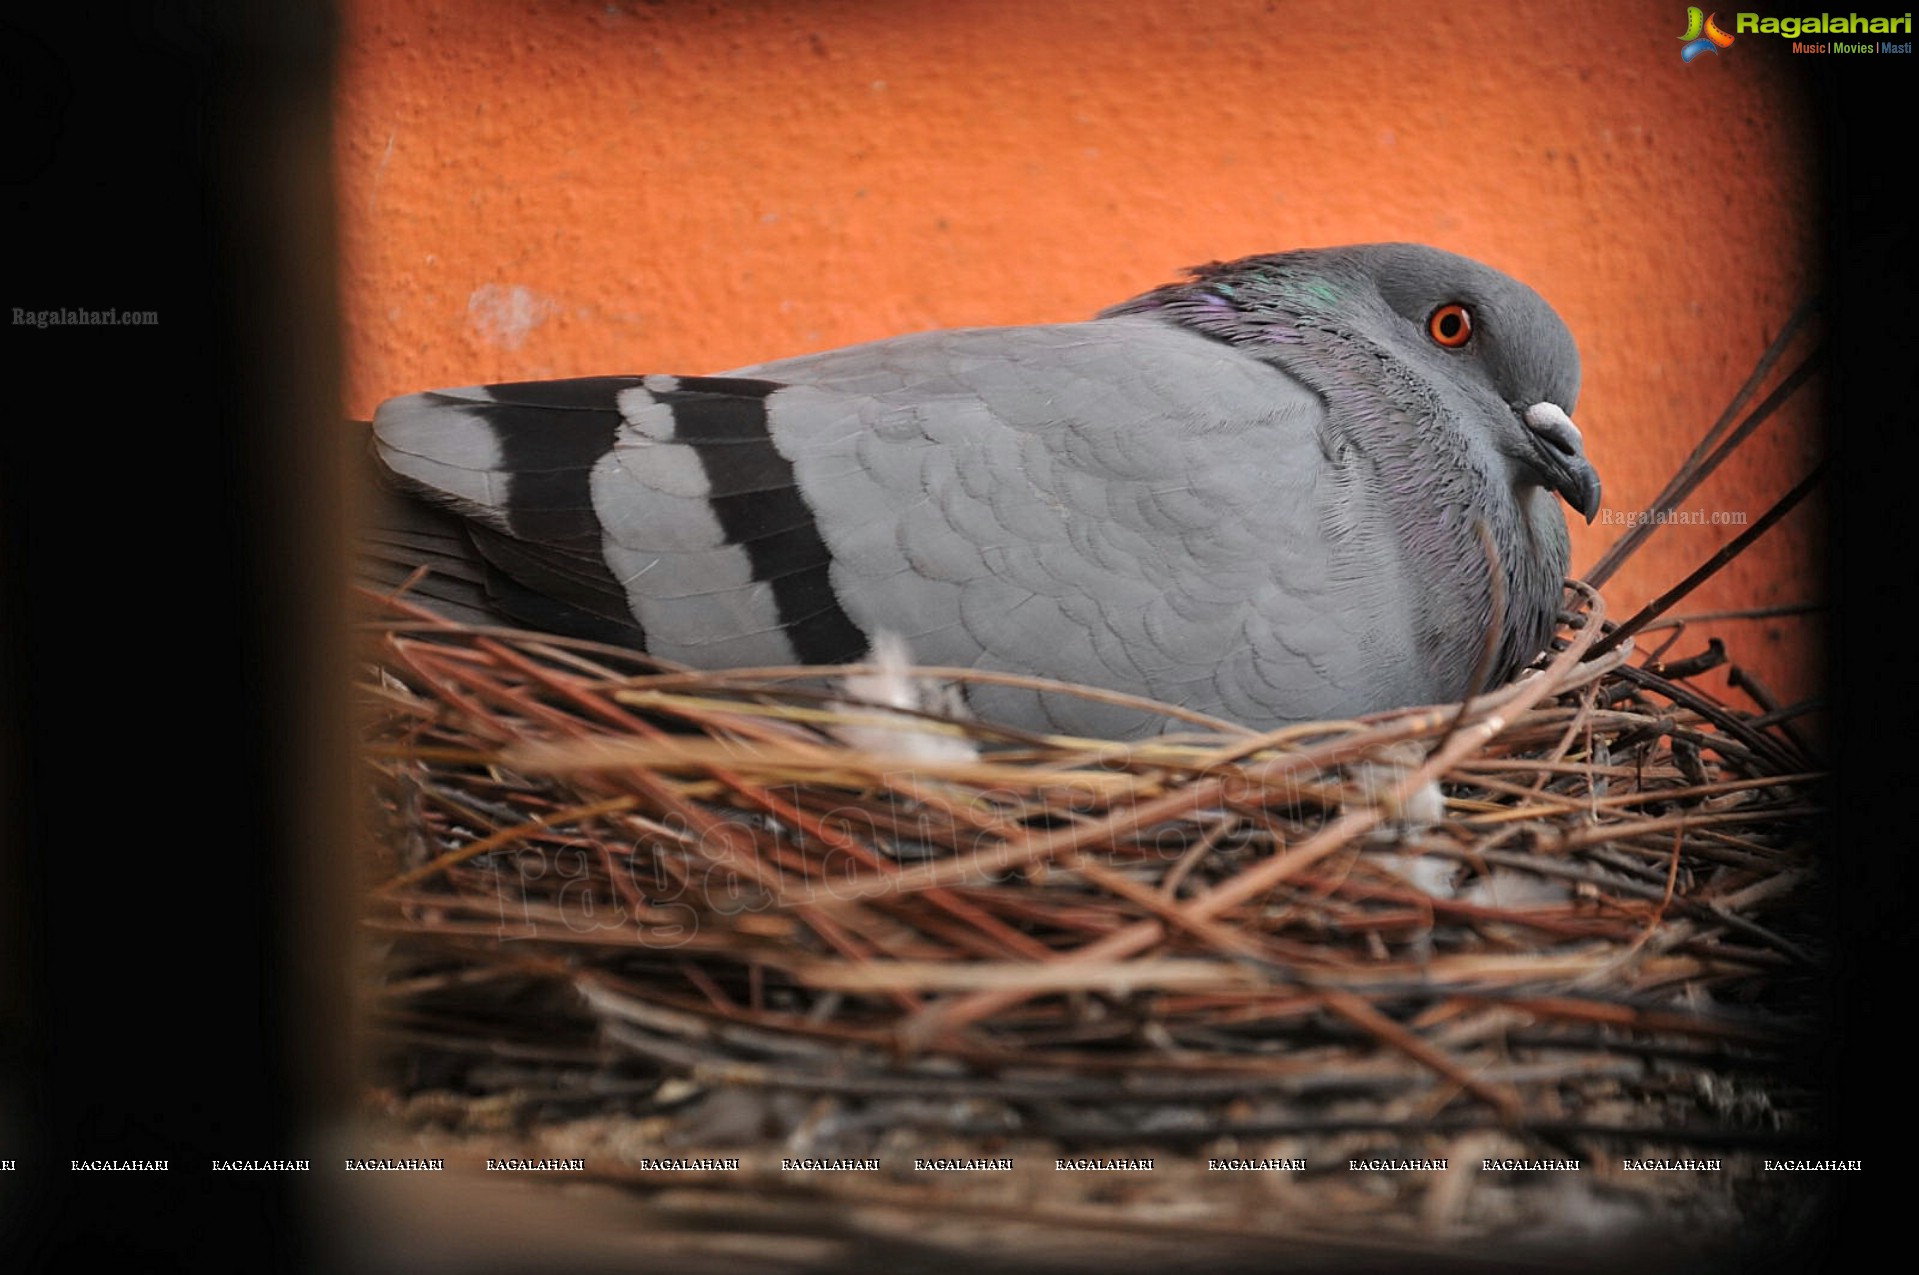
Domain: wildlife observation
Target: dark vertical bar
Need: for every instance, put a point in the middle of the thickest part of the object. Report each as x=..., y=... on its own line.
x=170, y=964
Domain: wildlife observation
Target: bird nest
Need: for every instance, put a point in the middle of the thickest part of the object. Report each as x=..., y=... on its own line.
x=674, y=913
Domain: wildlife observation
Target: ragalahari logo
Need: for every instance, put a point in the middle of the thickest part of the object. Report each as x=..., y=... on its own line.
x=1702, y=34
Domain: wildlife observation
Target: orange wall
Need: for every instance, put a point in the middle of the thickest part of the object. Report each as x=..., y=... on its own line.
x=553, y=188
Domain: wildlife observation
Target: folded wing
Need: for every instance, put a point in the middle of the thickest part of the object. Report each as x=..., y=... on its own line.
x=1123, y=503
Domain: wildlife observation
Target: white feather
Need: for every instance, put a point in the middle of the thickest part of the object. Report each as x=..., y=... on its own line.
x=894, y=685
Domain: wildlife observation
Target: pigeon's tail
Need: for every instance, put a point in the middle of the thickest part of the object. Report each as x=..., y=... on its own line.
x=411, y=545
x=403, y=534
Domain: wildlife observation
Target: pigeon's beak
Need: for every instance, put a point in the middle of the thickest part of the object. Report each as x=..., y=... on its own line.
x=1562, y=455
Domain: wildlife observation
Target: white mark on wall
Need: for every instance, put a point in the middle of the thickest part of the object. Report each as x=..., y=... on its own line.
x=379, y=174
x=504, y=316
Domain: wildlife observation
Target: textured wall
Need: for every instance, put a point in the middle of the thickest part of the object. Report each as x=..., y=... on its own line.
x=547, y=188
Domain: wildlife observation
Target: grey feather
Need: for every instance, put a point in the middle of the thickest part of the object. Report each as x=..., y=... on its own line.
x=1253, y=493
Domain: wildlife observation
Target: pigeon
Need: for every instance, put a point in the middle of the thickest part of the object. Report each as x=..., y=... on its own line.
x=1276, y=491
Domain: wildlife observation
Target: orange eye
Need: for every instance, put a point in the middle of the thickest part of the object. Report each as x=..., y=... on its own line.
x=1451, y=325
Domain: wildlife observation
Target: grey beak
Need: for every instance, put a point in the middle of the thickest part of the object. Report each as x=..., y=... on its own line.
x=1562, y=457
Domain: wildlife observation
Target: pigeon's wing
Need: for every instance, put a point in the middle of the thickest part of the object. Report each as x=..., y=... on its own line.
x=505, y=520
x=1122, y=503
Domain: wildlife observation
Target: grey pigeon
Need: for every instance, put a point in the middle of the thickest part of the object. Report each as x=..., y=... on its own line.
x=1254, y=493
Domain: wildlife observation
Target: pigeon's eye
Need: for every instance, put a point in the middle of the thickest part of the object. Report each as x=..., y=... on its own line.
x=1451, y=325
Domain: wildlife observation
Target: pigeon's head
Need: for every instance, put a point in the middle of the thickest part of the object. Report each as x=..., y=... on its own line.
x=1485, y=345
x=1490, y=330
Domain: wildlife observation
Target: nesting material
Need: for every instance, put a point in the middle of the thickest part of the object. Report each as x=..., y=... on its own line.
x=669, y=911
